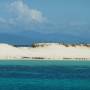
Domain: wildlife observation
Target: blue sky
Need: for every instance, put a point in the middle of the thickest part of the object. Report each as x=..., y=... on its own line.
x=70, y=17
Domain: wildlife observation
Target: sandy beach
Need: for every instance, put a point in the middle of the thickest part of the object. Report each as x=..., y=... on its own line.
x=52, y=51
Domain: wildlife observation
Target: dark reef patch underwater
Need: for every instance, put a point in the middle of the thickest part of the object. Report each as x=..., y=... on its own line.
x=44, y=75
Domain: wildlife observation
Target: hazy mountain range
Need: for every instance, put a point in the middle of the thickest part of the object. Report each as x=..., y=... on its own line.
x=33, y=37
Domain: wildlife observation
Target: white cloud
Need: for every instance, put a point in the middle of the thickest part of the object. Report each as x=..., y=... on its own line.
x=20, y=16
x=23, y=12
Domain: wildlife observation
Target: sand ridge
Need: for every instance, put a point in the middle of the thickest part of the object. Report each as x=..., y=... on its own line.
x=45, y=51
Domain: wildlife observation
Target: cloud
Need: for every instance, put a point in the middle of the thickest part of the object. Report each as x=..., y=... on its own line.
x=18, y=15
x=23, y=12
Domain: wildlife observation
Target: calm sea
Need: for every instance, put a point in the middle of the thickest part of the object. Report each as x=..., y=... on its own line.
x=44, y=75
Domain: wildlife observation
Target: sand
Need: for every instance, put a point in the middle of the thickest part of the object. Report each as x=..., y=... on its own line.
x=52, y=51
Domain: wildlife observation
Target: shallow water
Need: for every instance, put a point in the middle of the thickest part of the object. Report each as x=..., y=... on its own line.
x=44, y=75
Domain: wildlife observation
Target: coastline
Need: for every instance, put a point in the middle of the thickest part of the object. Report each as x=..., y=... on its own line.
x=44, y=59
x=45, y=51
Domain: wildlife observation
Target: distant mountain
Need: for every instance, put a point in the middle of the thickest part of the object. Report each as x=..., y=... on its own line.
x=27, y=38
x=13, y=39
x=55, y=37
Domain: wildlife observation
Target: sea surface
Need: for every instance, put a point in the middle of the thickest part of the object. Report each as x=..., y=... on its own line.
x=44, y=75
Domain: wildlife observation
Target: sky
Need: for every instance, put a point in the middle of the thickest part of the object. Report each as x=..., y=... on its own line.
x=62, y=17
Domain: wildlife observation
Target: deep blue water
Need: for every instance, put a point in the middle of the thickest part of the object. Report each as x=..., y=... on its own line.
x=44, y=75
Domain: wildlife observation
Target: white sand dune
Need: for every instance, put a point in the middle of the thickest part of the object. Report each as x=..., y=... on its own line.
x=47, y=51
x=8, y=51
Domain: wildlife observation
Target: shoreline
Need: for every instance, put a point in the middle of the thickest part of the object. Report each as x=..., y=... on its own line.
x=45, y=59
x=45, y=51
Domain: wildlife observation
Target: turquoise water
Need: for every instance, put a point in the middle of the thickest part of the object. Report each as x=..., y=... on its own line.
x=44, y=75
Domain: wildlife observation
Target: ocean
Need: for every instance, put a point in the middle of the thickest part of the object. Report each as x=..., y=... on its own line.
x=44, y=75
